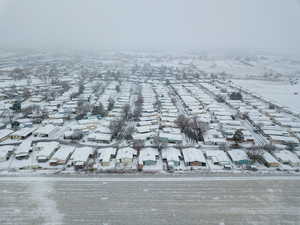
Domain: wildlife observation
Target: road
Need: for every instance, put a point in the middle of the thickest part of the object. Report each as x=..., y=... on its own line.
x=149, y=199
x=260, y=140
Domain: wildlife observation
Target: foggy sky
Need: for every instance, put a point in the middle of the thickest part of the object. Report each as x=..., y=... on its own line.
x=151, y=24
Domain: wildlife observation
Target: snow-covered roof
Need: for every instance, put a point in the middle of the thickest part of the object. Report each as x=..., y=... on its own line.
x=171, y=154
x=275, y=132
x=292, y=124
x=106, y=153
x=25, y=146
x=238, y=155
x=23, y=132
x=47, y=144
x=126, y=152
x=284, y=139
x=82, y=154
x=143, y=129
x=231, y=122
x=143, y=136
x=287, y=156
x=148, y=154
x=99, y=137
x=5, y=149
x=169, y=136
x=218, y=155
x=193, y=155
x=45, y=130
x=63, y=152
x=103, y=129
x=269, y=158
x=46, y=148
x=5, y=132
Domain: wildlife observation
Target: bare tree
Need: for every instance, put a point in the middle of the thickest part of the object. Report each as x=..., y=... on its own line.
x=111, y=103
x=181, y=122
x=238, y=137
x=193, y=128
x=255, y=153
x=126, y=112
x=269, y=147
x=116, y=126
x=159, y=144
x=138, y=145
x=99, y=110
x=31, y=109
x=82, y=107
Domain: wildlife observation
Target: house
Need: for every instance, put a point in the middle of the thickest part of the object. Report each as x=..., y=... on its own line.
x=269, y=160
x=172, y=157
x=61, y=156
x=81, y=156
x=106, y=156
x=193, y=157
x=45, y=150
x=239, y=157
x=287, y=157
x=22, y=134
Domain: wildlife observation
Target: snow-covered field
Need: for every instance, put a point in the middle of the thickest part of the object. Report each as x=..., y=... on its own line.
x=150, y=200
x=279, y=92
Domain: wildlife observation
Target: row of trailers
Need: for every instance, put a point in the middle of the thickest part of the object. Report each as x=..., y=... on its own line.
x=47, y=154
x=52, y=154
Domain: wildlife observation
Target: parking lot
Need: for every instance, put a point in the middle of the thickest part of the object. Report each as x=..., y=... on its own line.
x=150, y=200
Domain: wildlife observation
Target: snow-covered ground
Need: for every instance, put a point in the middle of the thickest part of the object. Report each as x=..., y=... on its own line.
x=279, y=92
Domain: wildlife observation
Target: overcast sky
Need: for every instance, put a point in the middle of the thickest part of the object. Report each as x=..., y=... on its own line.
x=151, y=24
